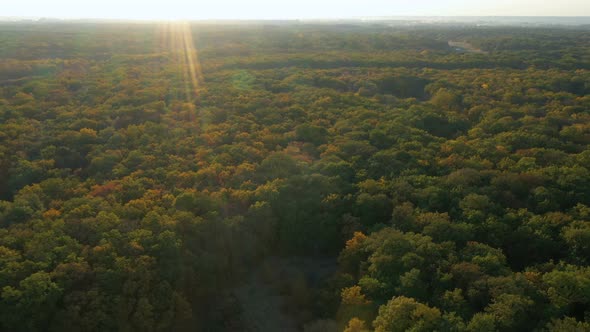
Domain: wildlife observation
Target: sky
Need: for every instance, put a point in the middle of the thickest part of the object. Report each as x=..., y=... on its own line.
x=287, y=9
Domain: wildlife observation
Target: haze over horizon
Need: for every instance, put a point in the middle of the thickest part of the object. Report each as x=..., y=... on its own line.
x=302, y=9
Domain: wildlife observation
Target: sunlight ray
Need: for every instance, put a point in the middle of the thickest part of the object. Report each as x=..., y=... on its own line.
x=181, y=58
x=176, y=40
x=192, y=59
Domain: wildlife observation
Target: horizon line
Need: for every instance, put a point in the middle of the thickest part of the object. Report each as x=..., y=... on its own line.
x=329, y=18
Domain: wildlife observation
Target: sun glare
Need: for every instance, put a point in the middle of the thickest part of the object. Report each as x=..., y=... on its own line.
x=175, y=39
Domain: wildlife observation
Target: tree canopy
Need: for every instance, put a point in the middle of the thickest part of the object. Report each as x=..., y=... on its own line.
x=146, y=170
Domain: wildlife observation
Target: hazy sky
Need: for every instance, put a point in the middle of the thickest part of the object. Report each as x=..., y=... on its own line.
x=273, y=9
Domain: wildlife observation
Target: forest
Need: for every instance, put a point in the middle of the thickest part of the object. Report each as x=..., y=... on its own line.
x=288, y=176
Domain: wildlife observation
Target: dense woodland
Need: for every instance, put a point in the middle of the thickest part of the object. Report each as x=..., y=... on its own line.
x=146, y=170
